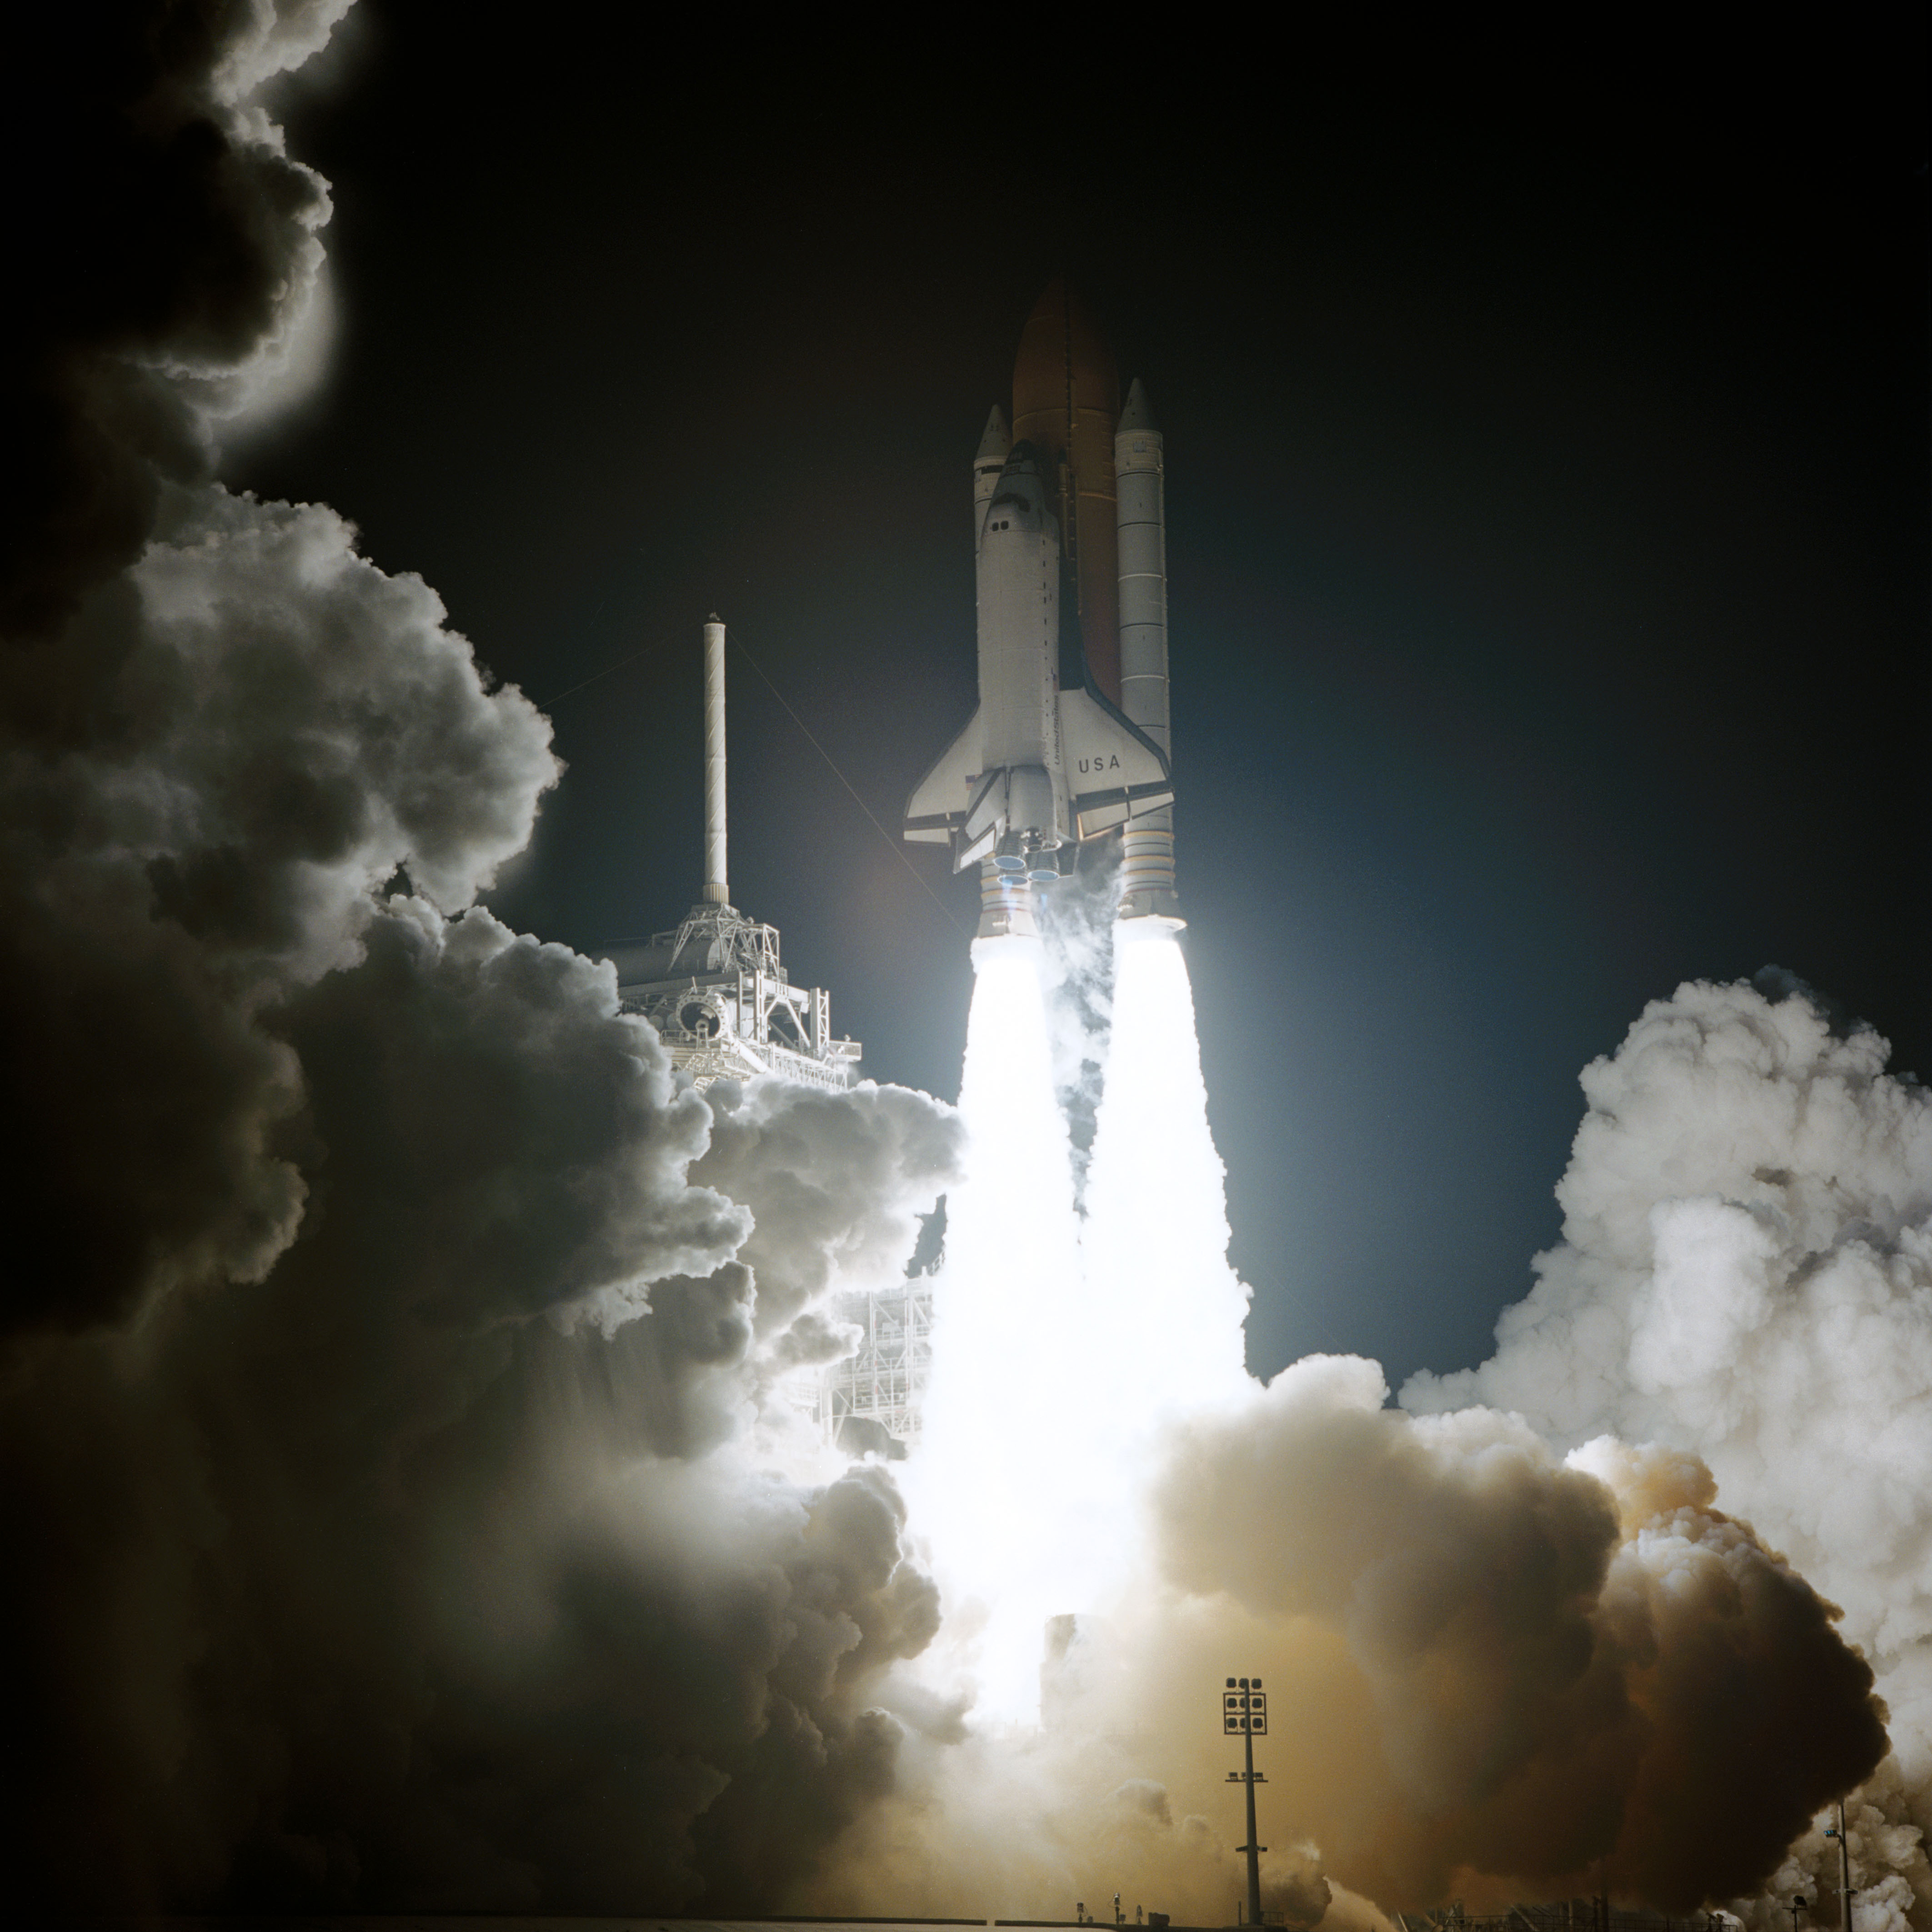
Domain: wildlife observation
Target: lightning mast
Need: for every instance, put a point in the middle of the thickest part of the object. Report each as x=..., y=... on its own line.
x=713, y=987
x=717, y=891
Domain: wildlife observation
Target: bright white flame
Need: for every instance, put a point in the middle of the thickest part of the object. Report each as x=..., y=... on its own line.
x=993, y=1483
x=1057, y=1358
x=1168, y=1309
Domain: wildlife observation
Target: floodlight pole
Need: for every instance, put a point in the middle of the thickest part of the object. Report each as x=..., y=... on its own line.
x=1253, y=1846
x=1242, y=1708
x=1844, y=1868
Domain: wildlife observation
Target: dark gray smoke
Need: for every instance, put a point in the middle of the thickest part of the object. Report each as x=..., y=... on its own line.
x=163, y=248
x=390, y=1345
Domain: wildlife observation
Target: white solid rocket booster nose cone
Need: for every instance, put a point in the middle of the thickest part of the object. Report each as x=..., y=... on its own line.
x=1136, y=413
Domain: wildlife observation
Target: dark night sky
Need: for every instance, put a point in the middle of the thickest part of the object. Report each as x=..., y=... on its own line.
x=1548, y=537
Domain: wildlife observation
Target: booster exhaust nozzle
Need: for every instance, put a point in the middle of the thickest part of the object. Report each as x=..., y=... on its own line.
x=1007, y=905
x=1147, y=889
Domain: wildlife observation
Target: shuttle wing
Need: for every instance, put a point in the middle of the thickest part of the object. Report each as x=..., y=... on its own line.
x=938, y=805
x=1114, y=771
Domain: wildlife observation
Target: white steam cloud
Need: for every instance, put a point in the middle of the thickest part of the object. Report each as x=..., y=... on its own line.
x=1746, y=1272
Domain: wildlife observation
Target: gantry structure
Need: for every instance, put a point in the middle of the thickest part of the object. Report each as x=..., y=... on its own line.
x=873, y=1399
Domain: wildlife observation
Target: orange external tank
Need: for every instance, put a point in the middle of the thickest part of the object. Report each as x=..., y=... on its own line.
x=1067, y=396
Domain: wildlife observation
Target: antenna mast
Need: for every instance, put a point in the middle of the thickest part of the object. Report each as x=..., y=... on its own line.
x=717, y=892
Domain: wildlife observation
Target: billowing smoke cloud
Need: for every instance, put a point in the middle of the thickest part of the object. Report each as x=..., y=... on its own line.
x=388, y=1338
x=1541, y=1669
x=165, y=248
x=1746, y=1272
x=236, y=744
x=822, y=1174
x=432, y=1625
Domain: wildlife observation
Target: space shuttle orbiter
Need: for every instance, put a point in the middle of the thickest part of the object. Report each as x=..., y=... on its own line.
x=1070, y=514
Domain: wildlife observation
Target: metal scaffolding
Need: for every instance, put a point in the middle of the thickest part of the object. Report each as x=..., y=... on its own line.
x=881, y=1387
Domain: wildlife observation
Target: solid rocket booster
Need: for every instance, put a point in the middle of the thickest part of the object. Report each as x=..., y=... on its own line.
x=1147, y=863
x=1040, y=766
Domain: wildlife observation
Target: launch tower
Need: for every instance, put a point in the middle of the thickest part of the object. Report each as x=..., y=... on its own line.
x=712, y=986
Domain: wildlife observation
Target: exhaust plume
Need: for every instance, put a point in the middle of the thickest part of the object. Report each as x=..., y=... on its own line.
x=1495, y=1672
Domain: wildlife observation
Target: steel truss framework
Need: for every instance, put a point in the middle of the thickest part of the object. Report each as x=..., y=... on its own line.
x=883, y=1382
